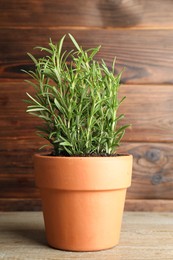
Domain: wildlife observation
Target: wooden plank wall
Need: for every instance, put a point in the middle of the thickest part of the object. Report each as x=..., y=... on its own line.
x=140, y=34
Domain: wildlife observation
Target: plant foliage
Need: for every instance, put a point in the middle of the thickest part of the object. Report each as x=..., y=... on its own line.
x=77, y=99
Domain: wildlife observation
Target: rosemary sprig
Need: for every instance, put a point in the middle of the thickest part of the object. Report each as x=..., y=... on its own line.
x=77, y=100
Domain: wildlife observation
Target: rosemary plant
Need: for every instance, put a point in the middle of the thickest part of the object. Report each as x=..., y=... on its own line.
x=77, y=101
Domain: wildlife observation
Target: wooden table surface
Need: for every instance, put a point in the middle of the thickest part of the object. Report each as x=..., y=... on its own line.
x=144, y=236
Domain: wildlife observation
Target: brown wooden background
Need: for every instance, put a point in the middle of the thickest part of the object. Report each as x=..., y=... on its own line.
x=140, y=34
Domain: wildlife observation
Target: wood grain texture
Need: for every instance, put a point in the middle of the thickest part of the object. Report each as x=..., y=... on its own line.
x=20, y=204
x=34, y=204
x=146, y=236
x=101, y=13
x=149, y=205
x=149, y=108
x=152, y=170
x=147, y=55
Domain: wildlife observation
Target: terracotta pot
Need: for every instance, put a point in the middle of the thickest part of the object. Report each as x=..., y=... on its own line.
x=83, y=199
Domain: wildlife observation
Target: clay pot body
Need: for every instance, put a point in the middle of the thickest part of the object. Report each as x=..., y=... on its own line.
x=83, y=199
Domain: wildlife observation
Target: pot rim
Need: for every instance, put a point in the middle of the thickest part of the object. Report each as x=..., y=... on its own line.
x=83, y=173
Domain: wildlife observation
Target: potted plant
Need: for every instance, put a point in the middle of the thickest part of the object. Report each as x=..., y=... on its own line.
x=83, y=181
